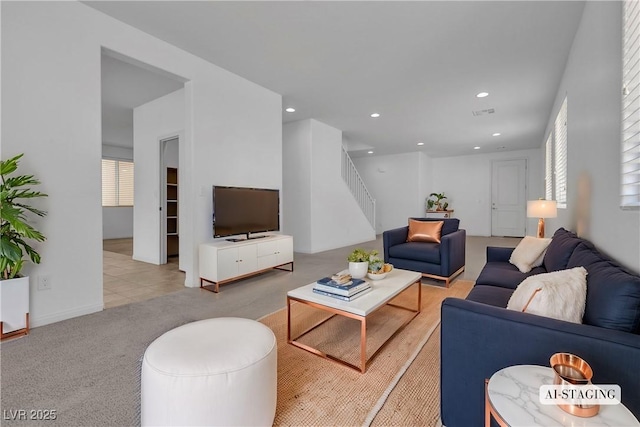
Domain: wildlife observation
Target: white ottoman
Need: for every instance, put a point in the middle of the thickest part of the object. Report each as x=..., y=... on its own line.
x=212, y=372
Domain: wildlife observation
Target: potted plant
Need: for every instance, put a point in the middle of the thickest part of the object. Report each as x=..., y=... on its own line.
x=358, y=263
x=437, y=201
x=15, y=231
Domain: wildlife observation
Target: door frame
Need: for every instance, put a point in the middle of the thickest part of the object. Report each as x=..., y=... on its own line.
x=162, y=209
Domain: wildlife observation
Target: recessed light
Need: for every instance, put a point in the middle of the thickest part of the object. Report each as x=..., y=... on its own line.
x=476, y=148
x=369, y=152
x=290, y=110
x=482, y=94
x=420, y=143
x=375, y=115
x=496, y=134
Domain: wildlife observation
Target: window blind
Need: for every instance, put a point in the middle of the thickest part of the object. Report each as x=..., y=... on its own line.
x=125, y=183
x=117, y=183
x=109, y=187
x=630, y=158
x=560, y=156
x=548, y=168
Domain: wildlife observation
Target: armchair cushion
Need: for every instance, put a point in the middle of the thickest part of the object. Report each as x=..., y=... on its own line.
x=417, y=251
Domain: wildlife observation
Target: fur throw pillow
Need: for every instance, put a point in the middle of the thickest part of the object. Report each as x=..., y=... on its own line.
x=560, y=295
x=529, y=253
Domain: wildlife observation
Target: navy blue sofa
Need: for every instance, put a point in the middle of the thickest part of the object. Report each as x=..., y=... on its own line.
x=480, y=336
x=442, y=261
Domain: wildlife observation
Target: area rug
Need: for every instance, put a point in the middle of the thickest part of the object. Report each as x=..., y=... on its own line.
x=313, y=391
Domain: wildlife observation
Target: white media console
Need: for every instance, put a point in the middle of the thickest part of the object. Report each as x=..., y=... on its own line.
x=224, y=261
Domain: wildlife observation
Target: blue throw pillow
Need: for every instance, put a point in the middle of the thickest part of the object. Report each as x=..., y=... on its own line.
x=613, y=294
x=560, y=249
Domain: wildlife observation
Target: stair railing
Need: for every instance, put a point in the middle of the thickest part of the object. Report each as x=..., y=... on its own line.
x=356, y=185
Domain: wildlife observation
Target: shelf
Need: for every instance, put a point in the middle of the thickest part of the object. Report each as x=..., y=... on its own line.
x=172, y=212
x=172, y=192
x=172, y=176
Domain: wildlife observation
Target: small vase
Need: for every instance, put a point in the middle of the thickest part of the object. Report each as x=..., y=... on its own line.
x=358, y=270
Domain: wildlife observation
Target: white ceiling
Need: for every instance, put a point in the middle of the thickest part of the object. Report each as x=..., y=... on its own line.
x=418, y=63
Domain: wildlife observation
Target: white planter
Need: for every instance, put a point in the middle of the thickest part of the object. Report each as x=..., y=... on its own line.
x=358, y=270
x=14, y=304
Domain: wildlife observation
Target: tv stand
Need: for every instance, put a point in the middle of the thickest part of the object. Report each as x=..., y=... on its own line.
x=225, y=261
x=240, y=239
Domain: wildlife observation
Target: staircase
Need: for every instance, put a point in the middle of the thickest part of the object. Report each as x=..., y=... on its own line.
x=353, y=180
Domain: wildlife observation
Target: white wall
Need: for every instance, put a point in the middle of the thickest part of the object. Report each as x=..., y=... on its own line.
x=51, y=61
x=296, y=183
x=159, y=119
x=117, y=221
x=327, y=216
x=466, y=181
x=592, y=83
x=399, y=183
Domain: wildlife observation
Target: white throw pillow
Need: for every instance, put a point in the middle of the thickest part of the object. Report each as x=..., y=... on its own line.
x=529, y=252
x=559, y=295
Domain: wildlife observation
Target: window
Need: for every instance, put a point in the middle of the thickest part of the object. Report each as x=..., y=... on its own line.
x=117, y=183
x=555, y=171
x=630, y=157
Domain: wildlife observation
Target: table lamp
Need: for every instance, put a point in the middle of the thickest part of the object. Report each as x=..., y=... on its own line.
x=541, y=209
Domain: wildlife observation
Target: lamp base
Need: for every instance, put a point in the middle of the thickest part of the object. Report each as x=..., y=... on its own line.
x=541, y=228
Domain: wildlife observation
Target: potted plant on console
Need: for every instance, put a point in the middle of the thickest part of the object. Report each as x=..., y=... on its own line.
x=15, y=231
x=436, y=202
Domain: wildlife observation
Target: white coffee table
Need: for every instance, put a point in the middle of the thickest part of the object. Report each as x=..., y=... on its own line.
x=511, y=397
x=383, y=291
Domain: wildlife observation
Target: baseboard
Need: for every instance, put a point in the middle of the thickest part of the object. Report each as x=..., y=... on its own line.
x=64, y=315
x=144, y=259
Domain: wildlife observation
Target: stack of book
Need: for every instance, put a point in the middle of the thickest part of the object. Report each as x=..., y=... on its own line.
x=342, y=286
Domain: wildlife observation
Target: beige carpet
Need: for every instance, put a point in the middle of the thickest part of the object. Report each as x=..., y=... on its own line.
x=313, y=391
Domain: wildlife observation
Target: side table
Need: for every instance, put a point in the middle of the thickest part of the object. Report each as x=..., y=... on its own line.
x=439, y=214
x=511, y=397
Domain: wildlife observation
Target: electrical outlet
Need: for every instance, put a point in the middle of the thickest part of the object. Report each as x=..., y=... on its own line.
x=44, y=283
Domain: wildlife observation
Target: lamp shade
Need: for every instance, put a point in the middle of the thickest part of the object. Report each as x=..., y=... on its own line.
x=542, y=209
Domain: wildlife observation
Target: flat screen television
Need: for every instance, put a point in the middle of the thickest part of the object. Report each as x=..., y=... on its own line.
x=242, y=210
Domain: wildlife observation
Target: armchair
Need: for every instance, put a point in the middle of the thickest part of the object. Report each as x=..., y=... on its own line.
x=441, y=261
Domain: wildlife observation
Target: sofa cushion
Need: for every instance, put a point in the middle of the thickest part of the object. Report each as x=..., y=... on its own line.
x=503, y=274
x=417, y=251
x=450, y=224
x=560, y=295
x=613, y=294
x=491, y=295
x=528, y=253
x=424, y=231
x=560, y=249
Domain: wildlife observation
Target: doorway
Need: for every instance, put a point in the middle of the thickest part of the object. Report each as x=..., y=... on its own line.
x=508, y=198
x=127, y=84
x=169, y=203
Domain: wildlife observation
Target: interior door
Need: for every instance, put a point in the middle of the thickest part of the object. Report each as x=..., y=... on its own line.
x=508, y=198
